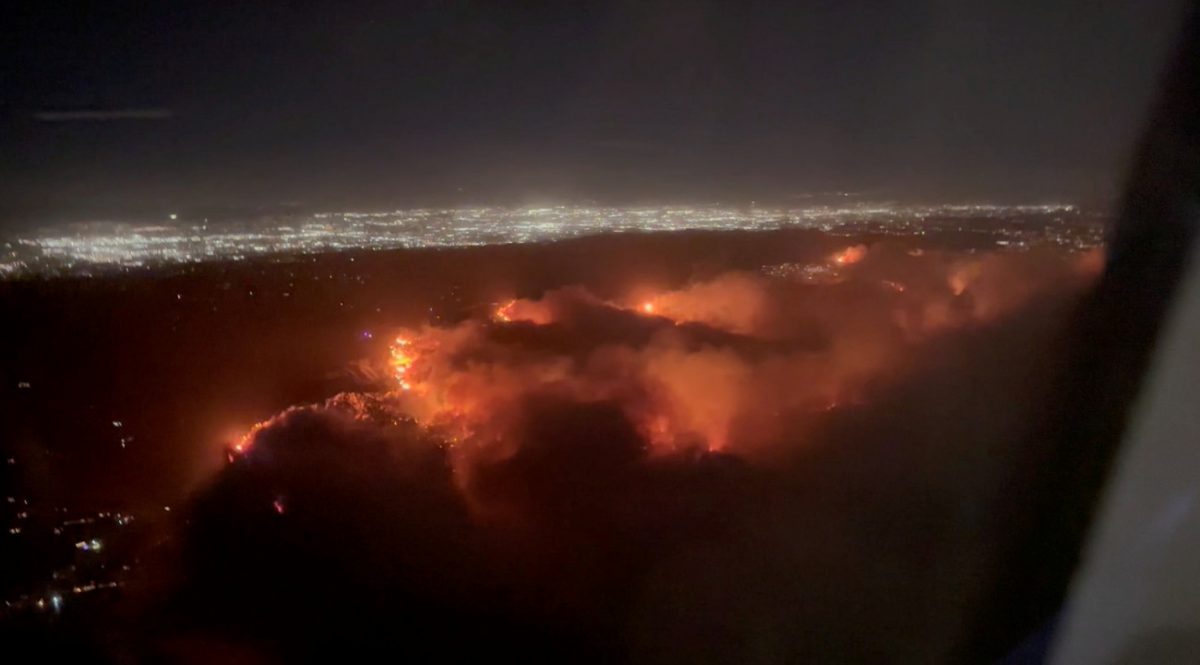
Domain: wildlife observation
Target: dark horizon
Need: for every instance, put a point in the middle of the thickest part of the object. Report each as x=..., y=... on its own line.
x=135, y=110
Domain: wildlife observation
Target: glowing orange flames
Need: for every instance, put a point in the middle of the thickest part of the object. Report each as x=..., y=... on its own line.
x=520, y=309
x=850, y=255
x=675, y=395
x=740, y=369
x=242, y=445
x=504, y=312
x=734, y=302
x=402, y=360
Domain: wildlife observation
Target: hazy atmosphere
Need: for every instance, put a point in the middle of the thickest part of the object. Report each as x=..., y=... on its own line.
x=121, y=109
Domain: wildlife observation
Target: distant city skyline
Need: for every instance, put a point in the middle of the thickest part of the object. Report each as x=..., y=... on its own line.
x=174, y=240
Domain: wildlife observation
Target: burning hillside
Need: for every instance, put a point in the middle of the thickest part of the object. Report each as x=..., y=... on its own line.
x=571, y=470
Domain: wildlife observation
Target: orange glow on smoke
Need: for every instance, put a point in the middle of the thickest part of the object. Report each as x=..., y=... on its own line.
x=963, y=275
x=1091, y=263
x=729, y=364
x=244, y=442
x=734, y=302
x=504, y=312
x=521, y=309
x=850, y=255
x=247, y=439
x=402, y=360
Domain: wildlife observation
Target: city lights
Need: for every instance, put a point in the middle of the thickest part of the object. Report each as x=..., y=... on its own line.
x=100, y=247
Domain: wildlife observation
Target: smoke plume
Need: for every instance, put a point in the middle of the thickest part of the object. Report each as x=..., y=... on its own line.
x=793, y=464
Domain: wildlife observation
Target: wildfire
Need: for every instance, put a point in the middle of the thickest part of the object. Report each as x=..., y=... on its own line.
x=850, y=255
x=504, y=313
x=402, y=360
x=961, y=278
x=726, y=376
x=245, y=441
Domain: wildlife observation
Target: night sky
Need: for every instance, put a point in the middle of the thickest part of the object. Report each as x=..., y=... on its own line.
x=361, y=105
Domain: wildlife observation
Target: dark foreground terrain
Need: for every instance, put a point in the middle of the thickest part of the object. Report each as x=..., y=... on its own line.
x=871, y=540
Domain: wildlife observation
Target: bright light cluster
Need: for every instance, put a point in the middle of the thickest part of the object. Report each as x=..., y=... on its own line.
x=95, y=247
x=402, y=360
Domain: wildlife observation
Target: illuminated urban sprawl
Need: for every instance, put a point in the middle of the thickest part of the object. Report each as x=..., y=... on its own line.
x=107, y=246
